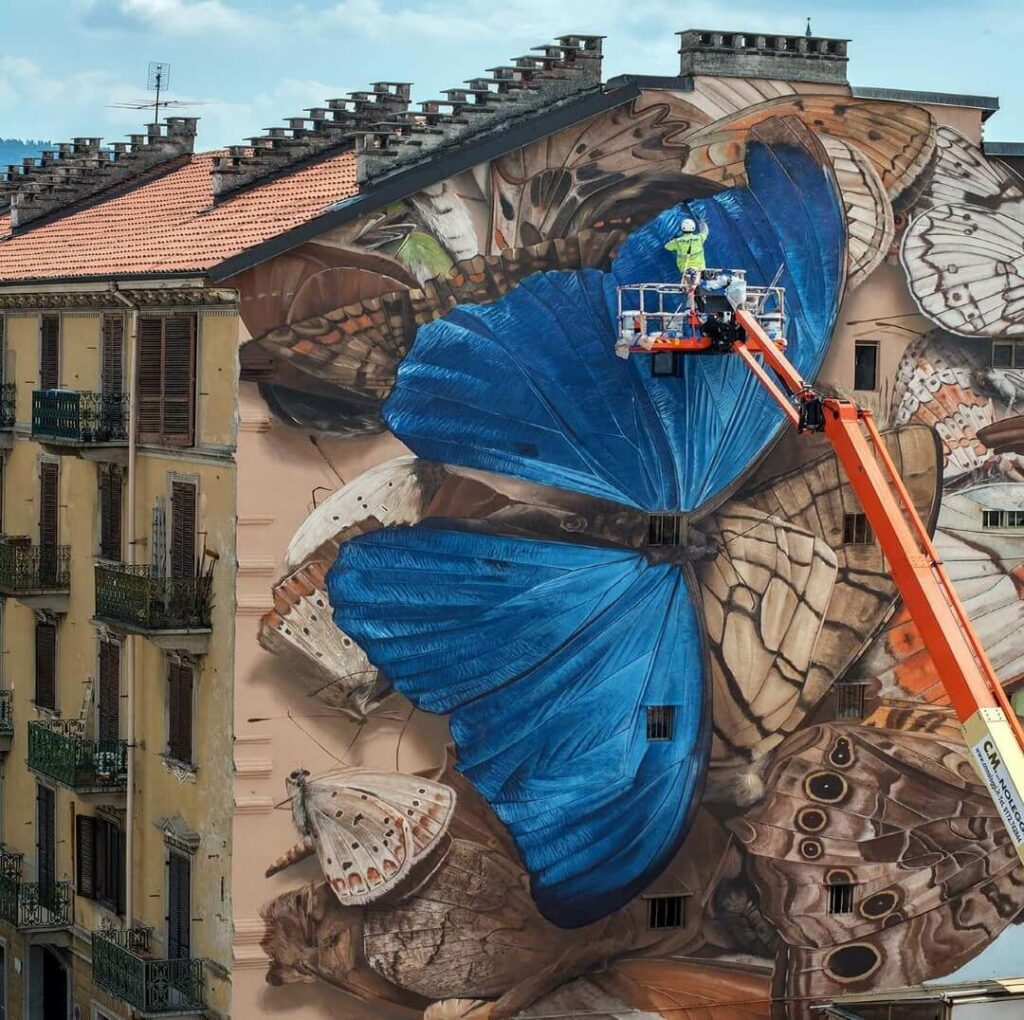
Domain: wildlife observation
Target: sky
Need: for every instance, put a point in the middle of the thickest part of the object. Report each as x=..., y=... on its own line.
x=63, y=63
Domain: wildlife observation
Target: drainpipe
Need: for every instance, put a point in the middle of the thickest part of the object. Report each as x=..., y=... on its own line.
x=129, y=659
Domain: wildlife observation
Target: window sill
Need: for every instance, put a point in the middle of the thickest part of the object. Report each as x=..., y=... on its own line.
x=177, y=765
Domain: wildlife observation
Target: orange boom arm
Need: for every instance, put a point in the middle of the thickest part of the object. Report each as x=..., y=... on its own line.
x=991, y=729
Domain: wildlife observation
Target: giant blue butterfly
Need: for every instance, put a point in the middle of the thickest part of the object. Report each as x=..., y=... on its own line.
x=547, y=655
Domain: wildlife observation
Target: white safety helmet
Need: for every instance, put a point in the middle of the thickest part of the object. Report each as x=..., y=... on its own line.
x=688, y=226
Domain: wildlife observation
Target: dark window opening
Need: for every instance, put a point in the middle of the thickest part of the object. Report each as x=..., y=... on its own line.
x=666, y=529
x=660, y=722
x=179, y=907
x=865, y=365
x=167, y=379
x=1008, y=353
x=46, y=839
x=46, y=665
x=665, y=363
x=49, y=352
x=857, y=530
x=183, y=530
x=840, y=899
x=850, y=701
x=49, y=497
x=109, y=701
x=1002, y=518
x=112, y=356
x=111, y=506
x=101, y=861
x=179, y=712
x=665, y=912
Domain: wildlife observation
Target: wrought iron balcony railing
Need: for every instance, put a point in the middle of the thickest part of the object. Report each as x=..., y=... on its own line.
x=11, y=864
x=122, y=966
x=26, y=905
x=6, y=713
x=8, y=391
x=80, y=416
x=29, y=569
x=133, y=595
x=57, y=749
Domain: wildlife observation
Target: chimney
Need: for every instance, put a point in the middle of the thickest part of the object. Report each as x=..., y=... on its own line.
x=547, y=75
x=752, y=55
x=80, y=169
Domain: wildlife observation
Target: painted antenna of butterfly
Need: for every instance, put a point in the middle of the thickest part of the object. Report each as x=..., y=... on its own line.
x=373, y=832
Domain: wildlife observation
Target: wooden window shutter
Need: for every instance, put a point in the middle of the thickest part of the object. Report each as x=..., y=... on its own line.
x=167, y=379
x=112, y=355
x=179, y=907
x=110, y=691
x=49, y=352
x=179, y=712
x=46, y=836
x=85, y=843
x=46, y=665
x=111, y=502
x=120, y=842
x=183, y=529
x=49, y=491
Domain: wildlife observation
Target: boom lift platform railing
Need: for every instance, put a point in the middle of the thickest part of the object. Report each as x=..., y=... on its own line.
x=992, y=731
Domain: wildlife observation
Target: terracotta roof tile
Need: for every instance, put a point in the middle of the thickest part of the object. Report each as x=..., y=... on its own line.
x=170, y=225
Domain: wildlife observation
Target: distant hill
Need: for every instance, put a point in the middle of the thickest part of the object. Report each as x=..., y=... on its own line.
x=13, y=150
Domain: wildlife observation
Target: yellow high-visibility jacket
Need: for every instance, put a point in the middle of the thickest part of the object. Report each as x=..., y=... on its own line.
x=689, y=249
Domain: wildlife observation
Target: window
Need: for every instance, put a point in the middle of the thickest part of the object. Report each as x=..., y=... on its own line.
x=109, y=696
x=180, y=682
x=46, y=836
x=865, y=365
x=167, y=379
x=112, y=356
x=179, y=907
x=1002, y=518
x=666, y=529
x=183, y=529
x=840, y=898
x=46, y=665
x=665, y=363
x=660, y=721
x=49, y=490
x=856, y=530
x=100, y=865
x=850, y=701
x=665, y=912
x=1008, y=353
x=111, y=505
x=49, y=352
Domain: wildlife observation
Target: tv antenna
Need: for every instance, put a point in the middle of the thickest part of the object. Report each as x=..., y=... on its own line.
x=158, y=79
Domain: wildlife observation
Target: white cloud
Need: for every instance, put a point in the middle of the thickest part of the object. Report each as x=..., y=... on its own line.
x=172, y=17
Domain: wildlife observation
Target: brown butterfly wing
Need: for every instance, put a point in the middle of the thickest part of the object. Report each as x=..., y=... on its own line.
x=901, y=817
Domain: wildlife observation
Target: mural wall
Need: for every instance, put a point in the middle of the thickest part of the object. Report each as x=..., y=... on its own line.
x=537, y=764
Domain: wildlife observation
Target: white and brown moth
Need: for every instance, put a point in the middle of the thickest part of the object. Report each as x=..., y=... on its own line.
x=373, y=832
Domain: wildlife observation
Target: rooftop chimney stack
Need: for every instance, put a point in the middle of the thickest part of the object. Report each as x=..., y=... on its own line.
x=804, y=58
x=77, y=170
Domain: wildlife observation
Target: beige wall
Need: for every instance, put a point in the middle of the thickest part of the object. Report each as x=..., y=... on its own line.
x=202, y=798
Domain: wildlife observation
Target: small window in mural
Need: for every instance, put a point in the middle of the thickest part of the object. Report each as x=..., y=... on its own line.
x=666, y=529
x=1008, y=353
x=865, y=365
x=665, y=363
x=665, y=912
x=856, y=530
x=850, y=701
x=660, y=720
x=840, y=898
x=1002, y=518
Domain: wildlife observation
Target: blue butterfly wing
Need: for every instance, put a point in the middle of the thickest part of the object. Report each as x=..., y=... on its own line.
x=530, y=386
x=547, y=656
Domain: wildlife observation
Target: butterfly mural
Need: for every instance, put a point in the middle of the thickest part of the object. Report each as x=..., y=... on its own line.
x=550, y=656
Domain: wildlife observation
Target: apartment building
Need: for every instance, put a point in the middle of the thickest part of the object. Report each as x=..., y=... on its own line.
x=213, y=378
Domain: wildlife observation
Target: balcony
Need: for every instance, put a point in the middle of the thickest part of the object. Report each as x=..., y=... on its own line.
x=84, y=423
x=123, y=967
x=34, y=906
x=38, y=576
x=7, y=415
x=173, y=612
x=58, y=750
x=6, y=722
